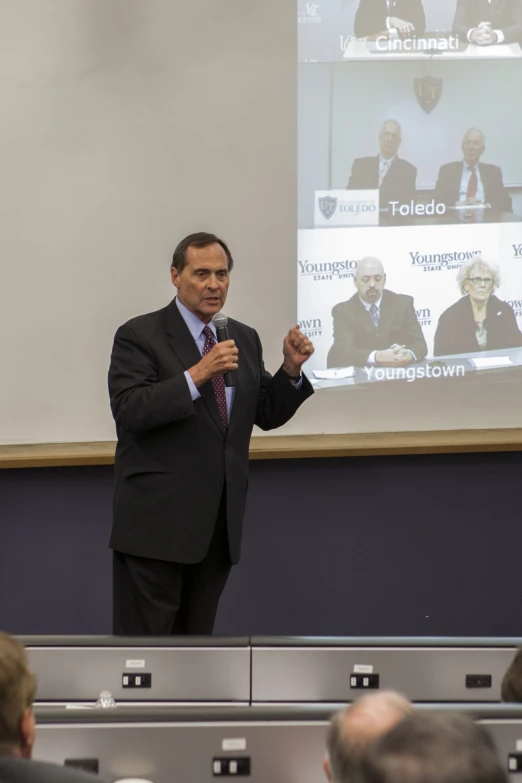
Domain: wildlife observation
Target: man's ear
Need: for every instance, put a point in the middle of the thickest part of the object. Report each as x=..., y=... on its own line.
x=326, y=768
x=174, y=276
x=27, y=732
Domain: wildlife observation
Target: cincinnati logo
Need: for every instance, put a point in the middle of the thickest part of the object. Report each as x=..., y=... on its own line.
x=311, y=16
x=311, y=327
x=436, y=262
x=516, y=304
x=424, y=316
x=344, y=42
x=517, y=249
x=328, y=270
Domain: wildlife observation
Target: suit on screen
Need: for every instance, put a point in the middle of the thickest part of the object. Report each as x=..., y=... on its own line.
x=504, y=15
x=456, y=330
x=447, y=189
x=355, y=336
x=371, y=16
x=397, y=185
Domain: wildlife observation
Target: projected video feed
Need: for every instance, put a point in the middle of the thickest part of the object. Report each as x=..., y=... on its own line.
x=333, y=30
x=409, y=143
x=412, y=304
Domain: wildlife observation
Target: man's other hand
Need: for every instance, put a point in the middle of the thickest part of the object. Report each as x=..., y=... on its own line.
x=403, y=27
x=296, y=350
x=222, y=358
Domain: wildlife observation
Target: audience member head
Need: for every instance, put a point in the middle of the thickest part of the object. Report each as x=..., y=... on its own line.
x=354, y=727
x=434, y=748
x=17, y=692
x=511, y=689
x=390, y=137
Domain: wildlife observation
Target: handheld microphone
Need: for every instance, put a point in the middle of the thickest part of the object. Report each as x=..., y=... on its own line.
x=220, y=321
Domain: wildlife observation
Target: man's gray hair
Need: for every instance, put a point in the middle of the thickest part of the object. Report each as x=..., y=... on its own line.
x=345, y=748
x=466, y=270
x=434, y=748
x=476, y=130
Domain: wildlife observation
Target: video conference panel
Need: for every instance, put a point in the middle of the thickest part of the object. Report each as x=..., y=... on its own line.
x=410, y=199
x=334, y=30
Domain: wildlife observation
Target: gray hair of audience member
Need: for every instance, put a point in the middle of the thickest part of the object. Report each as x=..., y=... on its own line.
x=511, y=689
x=466, y=272
x=445, y=747
x=354, y=727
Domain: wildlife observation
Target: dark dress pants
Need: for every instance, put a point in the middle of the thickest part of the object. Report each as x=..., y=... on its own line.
x=158, y=598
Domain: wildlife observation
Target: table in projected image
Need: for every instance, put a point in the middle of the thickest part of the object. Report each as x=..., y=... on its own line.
x=452, y=216
x=459, y=368
x=360, y=49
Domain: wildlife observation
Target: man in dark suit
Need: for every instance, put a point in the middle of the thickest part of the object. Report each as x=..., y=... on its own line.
x=487, y=22
x=470, y=182
x=394, y=177
x=17, y=722
x=389, y=17
x=375, y=326
x=181, y=467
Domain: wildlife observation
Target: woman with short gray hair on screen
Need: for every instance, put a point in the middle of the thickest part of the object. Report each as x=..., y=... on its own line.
x=479, y=321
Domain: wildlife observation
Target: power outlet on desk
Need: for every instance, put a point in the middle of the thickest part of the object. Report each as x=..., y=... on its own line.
x=225, y=767
x=136, y=680
x=364, y=681
x=515, y=762
x=87, y=765
x=479, y=681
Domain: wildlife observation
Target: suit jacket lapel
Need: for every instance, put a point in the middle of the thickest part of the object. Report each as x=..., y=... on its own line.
x=363, y=316
x=241, y=375
x=183, y=345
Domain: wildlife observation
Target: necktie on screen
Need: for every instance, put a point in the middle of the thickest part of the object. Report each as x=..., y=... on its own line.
x=218, y=382
x=473, y=183
x=384, y=170
x=374, y=314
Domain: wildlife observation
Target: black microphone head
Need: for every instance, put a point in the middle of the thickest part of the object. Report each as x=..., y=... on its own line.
x=219, y=320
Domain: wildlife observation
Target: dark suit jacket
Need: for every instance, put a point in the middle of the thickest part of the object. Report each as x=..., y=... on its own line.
x=447, y=189
x=15, y=770
x=355, y=336
x=397, y=185
x=456, y=328
x=505, y=15
x=371, y=15
x=173, y=457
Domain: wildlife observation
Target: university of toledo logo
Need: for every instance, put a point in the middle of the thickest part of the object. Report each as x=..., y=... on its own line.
x=327, y=205
x=428, y=91
x=312, y=8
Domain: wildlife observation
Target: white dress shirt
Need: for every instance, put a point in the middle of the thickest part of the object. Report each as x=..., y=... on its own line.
x=384, y=167
x=464, y=182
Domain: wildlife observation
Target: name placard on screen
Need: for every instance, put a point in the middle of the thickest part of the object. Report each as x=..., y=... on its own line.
x=343, y=208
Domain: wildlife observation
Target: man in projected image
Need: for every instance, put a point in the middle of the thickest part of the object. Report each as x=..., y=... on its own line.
x=487, y=22
x=394, y=176
x=470, y=182
x=393, y=18
x=375, y=326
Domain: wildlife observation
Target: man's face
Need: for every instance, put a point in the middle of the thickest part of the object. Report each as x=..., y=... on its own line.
x=203, y=283
x=389, y=139
x=472, y=147
x=370, y=280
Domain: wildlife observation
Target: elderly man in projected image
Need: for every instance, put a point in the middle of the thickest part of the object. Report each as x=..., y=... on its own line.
x=375, y=326
x=479, y=321
x=394, y=177
x=469, y=182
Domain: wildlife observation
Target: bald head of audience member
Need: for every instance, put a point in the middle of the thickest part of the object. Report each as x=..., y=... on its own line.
x=354, y=727
x=434, y=748
x=17, y=692
x=511, y=690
